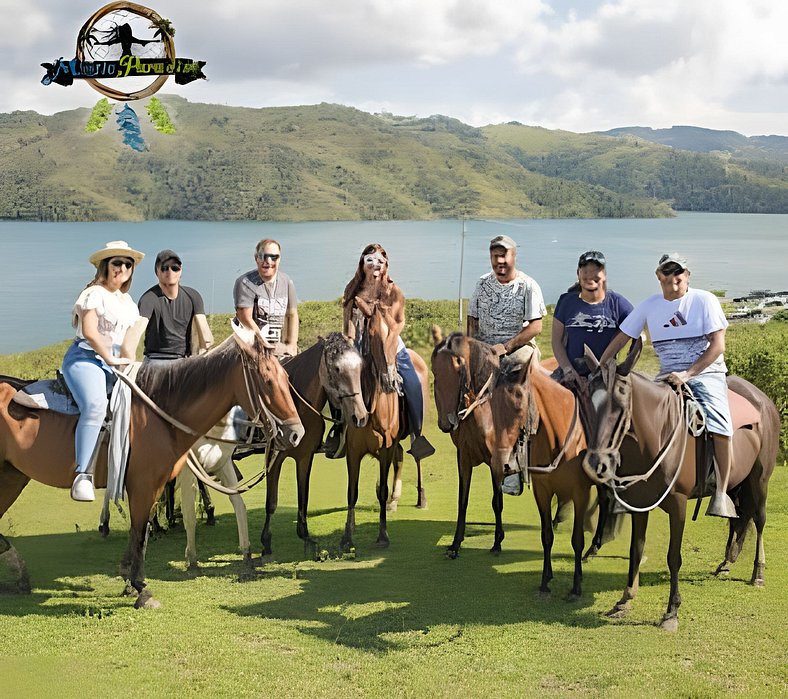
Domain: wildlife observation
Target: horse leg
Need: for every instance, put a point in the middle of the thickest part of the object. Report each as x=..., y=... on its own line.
x=737, y=532
x=228, y=478
x=497, y=504
x=578, y=536
x=760, y=555
x=271, y=501
x=353, y=466
x=169, y=504
x=207, y=503
x=637, y=542
x=386, y=456
x=603, y=503
x=12, y=483
x=187, y=483
x=676, y=507
x=421, y=499
x=464, y=472
x=396, y=488
x=140, y=507
x=543, y=499
x=303, y=473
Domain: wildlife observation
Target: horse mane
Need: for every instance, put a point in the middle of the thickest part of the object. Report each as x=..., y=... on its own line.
x=482, y=361
x=184, y=380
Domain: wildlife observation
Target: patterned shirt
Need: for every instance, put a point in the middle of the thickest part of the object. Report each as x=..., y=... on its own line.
x=503, y=310
x=269, y=302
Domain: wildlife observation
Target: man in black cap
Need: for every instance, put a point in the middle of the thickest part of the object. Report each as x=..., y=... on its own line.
x=172, y=315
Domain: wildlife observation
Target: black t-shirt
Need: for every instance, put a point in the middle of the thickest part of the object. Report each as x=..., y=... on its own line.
x=168, y=334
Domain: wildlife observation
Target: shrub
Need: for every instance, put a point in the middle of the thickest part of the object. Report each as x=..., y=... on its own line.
x=99, y=115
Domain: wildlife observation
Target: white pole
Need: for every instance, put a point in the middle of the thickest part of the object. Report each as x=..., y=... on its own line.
x=462, y=261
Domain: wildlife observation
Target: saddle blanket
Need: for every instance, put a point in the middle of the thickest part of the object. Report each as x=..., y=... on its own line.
x=46, y=395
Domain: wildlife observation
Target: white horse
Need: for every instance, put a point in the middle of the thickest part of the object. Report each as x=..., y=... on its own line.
x=215, y=458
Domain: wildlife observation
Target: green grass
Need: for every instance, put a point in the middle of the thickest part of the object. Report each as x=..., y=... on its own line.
x=404, y=621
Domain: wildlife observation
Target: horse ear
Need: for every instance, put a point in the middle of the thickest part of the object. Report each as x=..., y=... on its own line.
x=634, y=354
x=590, y=358
x=437, y=335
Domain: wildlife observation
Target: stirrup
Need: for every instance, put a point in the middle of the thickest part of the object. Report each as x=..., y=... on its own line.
x=721, y=506
x=421, y=448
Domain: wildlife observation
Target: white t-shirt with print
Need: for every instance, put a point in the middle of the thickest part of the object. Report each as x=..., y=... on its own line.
x=678, y=329
x=116, y=313
x=503, y=310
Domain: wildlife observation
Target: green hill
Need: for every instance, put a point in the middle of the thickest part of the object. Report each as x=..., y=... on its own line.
x=327, y=162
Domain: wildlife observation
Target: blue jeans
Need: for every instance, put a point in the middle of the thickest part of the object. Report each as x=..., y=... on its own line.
x=90, y=381
x=411, y=386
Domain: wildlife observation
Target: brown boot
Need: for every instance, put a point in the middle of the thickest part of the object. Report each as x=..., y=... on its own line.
x=721, y=505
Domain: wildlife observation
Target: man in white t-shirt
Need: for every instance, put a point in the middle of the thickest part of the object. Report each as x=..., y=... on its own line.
x=507, y=306
x=687, y=329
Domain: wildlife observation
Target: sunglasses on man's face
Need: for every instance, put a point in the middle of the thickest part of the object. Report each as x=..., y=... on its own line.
x=128, y=264
x=167, y=268
x=671, y=271
x=268, y=257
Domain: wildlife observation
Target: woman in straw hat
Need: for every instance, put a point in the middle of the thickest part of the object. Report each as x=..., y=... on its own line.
x=103, y=313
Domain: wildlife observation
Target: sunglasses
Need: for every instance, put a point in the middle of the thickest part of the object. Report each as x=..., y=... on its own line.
x=128, y=264
x=671, y=271
x=167, y=268
x=591, y=256
x=268, y=257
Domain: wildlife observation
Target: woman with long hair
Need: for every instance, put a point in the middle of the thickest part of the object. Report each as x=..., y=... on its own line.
x=372, y=290
x=102, y=314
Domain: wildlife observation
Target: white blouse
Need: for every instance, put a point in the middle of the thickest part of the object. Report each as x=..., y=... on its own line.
x=116, y=313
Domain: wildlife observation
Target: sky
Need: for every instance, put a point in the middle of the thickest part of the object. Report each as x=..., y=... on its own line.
x=579, y=65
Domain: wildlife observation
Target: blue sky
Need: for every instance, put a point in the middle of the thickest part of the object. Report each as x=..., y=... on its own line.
x=566, y=64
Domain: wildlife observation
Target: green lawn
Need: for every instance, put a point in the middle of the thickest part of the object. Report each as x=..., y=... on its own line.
x=403, y=621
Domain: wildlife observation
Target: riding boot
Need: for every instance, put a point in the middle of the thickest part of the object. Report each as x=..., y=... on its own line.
x=721, y=505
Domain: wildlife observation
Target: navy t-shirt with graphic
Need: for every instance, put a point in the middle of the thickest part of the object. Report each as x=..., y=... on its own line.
x=592, y=324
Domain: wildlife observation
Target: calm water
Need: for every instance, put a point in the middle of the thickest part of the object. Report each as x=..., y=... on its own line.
x=43, y=266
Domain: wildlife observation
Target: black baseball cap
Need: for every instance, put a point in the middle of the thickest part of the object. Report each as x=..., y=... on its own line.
x=165, y=255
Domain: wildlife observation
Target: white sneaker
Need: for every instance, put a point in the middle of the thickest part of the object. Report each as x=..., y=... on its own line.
x=82, y=490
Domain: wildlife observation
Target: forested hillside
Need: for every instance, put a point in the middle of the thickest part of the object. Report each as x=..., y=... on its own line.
x=327, y=162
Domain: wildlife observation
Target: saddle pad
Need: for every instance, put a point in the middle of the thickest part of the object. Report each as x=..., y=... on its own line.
x=46, y=395
x=742, y=411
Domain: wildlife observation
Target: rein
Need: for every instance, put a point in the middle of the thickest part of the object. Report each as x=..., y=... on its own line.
x=481, y=397
x=557, y=460
x=688, y=422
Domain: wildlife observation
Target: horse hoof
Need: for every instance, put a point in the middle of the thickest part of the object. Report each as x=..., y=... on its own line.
x=421, y=505
x=573, y=597
x=591, y=553
x=757, y=582
x=391, y=506
x=452, y=554
x=670, y=624
x=382, y=543
x=496, y=550
x=210, y=519
x=722, y=569
x=104, y=530
x=544, y=592
x=146, y=600
x=618, y=612
x=128, y=591
x=192, y=566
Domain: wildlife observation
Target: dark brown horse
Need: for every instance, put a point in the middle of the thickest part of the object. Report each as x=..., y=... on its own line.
x=381, y=435
x=330, y=368
x=640, y=447
x=539, y=418
x=195, y=392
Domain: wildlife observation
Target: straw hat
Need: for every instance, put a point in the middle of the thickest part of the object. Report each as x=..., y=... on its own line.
x=116, y=248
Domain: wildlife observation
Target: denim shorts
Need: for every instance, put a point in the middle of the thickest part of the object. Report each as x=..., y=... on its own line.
x=711, y=391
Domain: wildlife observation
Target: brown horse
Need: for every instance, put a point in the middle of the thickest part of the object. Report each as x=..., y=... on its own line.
x=640, y=448
x=195, y=392
x=387, y=425
x=533, y=413
x=464, y=370
x=330, y=368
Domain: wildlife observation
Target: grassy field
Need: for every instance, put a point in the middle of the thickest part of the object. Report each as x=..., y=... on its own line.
x=403, y=621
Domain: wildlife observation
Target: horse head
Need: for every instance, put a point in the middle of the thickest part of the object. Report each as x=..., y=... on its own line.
x=266, y=388
x=340, y=377
x=608, y=414
x=513, y=410
x=461, y=366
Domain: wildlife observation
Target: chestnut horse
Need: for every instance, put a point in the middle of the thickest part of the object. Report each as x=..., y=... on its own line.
x=464, y=371
x=387, y=425
x=194, y=392
x=330, y=368
x=640, y=447
x=537, y=417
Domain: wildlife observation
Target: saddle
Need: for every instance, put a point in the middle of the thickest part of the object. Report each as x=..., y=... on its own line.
x=49, y=394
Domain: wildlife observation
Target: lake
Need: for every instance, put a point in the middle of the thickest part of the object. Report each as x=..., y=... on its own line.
x=44, y=266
